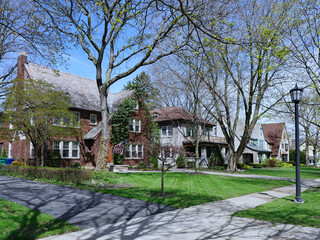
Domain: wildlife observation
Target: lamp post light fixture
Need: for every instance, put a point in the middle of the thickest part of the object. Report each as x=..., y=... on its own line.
x=296, y=96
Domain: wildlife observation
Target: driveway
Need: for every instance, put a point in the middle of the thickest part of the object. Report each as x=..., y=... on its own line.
x=81, y=208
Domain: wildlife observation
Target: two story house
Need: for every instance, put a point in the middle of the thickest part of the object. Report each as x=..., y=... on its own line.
x=177, y=128
x=85, y=104
x=277, y=138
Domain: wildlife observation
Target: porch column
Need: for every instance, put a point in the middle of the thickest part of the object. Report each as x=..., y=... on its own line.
x=204, y=156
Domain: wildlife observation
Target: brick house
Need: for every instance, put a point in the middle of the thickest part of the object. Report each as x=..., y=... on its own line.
x=85, y=104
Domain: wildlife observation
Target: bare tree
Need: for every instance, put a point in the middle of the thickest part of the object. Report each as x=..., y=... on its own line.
x=23, y=29
x=118, y=37
x=182, y=85
x=242, y=75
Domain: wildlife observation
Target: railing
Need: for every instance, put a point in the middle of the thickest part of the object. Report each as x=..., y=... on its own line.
x=204, y=138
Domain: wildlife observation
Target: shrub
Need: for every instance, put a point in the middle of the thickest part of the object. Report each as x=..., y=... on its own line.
x=142, y=165
x=256, y=165
x=17, y=163
x=288, y=165
x=66, y=175
x=75, y=165
x=220, y=168
x=191, y=164
x=292, y=156
x=216, y=157
x=118, y=158
x=273, y=162
x=54, y=159
x=154, y=162
x=280, y=164
x=181, y=161
x=247, y=167
x=4, y=153
x=240, y=165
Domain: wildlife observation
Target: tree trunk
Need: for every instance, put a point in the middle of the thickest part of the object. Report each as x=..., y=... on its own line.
x=315, y=157
x=105, y=136
x=197, y=155
x=232, y=161
x=162, y=179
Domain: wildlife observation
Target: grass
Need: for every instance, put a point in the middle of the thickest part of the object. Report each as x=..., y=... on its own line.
x=285, y=211
x=305, y=172
x=185, y=190
x=18, y=222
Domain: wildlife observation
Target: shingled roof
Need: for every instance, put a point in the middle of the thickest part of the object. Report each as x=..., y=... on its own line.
x=272, y=133
x=174, y=114
x=83, y=92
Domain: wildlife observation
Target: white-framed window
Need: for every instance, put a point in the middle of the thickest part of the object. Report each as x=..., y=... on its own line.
x=10, y=150
x=166, y=131
x=137, y=105
x=66, y=149
x=134, y=125
x=10, y=125
x=93, y=119
x=215, y=131
x=31, y=150
x=64, y=121
x=134, y=151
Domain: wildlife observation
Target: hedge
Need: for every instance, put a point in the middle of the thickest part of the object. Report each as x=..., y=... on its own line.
x=67, y=175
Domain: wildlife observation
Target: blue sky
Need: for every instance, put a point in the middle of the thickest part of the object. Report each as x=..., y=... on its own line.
x=78, y=64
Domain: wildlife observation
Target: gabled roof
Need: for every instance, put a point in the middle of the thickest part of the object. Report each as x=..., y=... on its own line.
x=83, y=92
x=174, y=113
x=273, y=133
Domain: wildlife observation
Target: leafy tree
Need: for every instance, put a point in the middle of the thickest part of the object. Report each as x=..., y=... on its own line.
x=31, y=107
x=118, y=37
x=292, y=156
x=144, y=88
x=244, y=75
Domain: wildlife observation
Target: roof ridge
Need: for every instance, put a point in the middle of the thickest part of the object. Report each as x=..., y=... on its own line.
x=52, y=69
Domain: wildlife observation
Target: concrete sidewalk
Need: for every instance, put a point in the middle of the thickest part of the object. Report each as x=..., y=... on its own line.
x=207, y=221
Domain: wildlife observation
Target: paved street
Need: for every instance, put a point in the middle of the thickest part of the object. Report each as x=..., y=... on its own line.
x=82, y=208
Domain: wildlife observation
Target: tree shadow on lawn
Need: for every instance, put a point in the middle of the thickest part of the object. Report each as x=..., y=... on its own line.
x=172, y=198
x=30, y=227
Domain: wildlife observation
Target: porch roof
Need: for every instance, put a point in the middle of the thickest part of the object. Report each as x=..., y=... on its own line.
x=258, y=149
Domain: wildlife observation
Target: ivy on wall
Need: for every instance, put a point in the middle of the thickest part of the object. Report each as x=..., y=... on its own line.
x=120, y=126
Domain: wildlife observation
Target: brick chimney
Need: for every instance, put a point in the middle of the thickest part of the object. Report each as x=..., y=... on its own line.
x=22, y=59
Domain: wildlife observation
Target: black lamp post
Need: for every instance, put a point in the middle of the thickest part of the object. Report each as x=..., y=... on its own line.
x=296, y=95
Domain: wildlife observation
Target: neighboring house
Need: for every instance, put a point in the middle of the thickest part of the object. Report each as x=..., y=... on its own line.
x=176, y=129
x=85, y=104
x=257, y=149
x=277, y=138
x=310, y=153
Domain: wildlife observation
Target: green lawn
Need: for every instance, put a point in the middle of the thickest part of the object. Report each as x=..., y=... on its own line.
x=285, y=211
x=185, y=190
x=18, y=222
x=305, y=172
